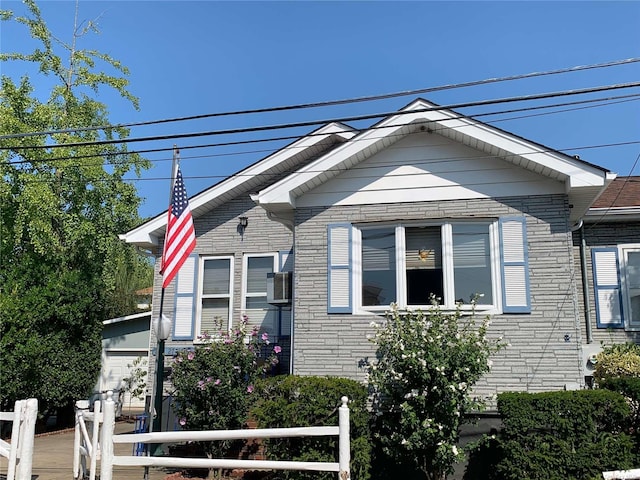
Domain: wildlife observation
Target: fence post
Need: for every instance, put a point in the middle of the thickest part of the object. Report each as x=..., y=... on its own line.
x=27, y=433
x=95, y=447
x=80, y=406
x=16, y=428
x=108, y=425
x=344, y=448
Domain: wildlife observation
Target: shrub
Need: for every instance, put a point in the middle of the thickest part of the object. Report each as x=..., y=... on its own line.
x=294, y=401
x=559, y=435
x=427, y=363
x=618, y=360
x=214, y=383
x=629, y=387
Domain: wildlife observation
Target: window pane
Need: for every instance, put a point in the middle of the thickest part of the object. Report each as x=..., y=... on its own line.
x=215, y=315
x=257, y=269
x=633, y=284
x=216, y=276
x=472, y=263
x=378, y=266
x=257, y=303
x=424, y=265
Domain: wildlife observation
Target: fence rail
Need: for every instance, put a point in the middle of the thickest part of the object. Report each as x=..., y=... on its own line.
x=85, y=446
x=108, y=439
x=20, y=451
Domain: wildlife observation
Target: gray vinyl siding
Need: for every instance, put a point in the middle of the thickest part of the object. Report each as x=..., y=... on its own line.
x=538, y=358
x=603, y=234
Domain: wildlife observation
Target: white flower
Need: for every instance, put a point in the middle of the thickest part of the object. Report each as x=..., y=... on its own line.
x=454, y=450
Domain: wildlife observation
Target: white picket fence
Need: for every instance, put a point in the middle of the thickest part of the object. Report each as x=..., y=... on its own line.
x=100, y=445
x=20, y=451
x=86, y=448
x=622, y=475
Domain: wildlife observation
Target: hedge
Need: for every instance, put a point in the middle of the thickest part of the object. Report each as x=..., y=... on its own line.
x=292, y=401
x=557, y=435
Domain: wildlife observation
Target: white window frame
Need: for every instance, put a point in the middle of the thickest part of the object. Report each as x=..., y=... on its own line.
x=202, y=296
x=245, y=271
x=623, y=255
x=447, y=266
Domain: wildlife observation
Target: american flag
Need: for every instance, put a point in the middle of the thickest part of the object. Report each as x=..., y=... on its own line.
x=180, y=239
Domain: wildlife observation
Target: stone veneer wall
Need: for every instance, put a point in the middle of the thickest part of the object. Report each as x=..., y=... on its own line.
x=544, y=346
x=221, y=237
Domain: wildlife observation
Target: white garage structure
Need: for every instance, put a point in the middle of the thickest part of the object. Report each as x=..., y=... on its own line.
x=124, y=340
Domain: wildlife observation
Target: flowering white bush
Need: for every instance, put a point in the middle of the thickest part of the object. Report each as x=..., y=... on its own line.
x=427, y=362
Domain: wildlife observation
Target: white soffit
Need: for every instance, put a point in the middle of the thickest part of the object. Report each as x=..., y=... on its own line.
x=149, y=233
x=420, y=114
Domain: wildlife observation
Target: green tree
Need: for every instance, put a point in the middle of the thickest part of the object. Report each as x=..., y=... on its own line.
x=61, y=208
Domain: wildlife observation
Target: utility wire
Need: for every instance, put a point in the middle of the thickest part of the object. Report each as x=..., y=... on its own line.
x=415, y=161
x=609, y=100
x=337, y=102
x=326, y=121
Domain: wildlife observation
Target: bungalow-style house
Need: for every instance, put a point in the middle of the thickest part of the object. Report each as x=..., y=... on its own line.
x=317, y=239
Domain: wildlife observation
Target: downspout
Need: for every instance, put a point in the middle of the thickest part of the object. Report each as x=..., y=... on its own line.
x=290, y=225
x=585, y=284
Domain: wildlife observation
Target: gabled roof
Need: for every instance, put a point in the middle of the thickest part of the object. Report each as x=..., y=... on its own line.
x=288, y=158
x=619, y=202
x=583, y=181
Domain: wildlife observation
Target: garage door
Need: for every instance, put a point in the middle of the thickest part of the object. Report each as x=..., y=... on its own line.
x=119, y=365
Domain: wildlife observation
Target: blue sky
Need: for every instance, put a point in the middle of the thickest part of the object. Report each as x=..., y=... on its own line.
x=190, y=58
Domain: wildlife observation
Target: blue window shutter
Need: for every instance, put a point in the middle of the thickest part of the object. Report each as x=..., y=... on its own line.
x=607, y=286
x=514, y=265
x=184, y=312
x=339, y=297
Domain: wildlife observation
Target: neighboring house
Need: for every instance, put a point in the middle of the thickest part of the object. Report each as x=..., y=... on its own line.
x=124, y=340
x=609, y=245
x=427, y=201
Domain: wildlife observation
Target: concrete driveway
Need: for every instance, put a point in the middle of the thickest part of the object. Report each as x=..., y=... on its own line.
x=53, y=458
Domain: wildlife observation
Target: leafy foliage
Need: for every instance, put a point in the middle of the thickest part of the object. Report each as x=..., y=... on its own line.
x=629, y=387
x=214, y=383
x=135, y=384
x=294, y=401
x=618, y=360
x=63, y=200
x=427, y=363
x=559, y=435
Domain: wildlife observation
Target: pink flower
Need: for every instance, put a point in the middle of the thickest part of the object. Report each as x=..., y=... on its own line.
x=217, y=382
x=250, y=389
x=277, y=349
x=183, y=421
x=265, y=337
x=191, y=355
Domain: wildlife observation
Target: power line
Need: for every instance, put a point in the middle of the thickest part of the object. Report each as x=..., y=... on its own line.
x=326, y=121
x=355, y=168
x=609, y=100
x=337, y=102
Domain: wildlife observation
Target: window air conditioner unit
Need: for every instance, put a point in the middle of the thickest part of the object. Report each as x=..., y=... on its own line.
x=279, y=288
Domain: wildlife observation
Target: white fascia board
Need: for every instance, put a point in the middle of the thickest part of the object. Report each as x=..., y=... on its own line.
x=576, y=172
x=281, y=193
x=148, y=233
x=612, y=214
x=127, y=317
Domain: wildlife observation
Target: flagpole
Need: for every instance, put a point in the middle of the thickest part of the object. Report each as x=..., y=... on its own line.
x=159, y=381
